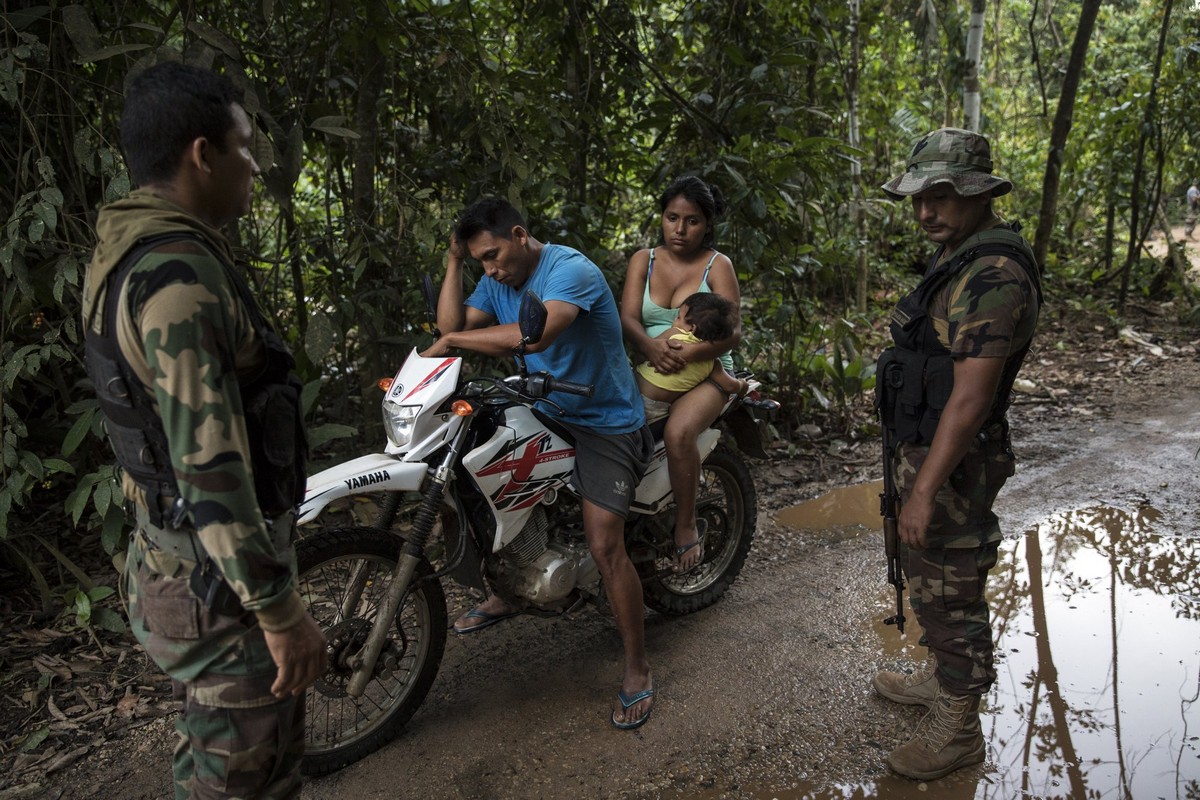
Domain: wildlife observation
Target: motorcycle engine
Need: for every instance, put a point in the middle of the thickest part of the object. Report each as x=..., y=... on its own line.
x=543, y=571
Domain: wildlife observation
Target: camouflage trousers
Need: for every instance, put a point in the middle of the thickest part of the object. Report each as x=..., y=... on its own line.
x=235, y=739
x=947, y=579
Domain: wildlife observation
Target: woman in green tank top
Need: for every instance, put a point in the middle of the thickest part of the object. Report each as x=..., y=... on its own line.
x=656, y=283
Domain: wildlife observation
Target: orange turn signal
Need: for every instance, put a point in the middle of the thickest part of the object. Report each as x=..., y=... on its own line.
x=385, y=383
x=462, y=408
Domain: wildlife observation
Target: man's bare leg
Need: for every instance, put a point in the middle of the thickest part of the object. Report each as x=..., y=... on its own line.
x=606, y=541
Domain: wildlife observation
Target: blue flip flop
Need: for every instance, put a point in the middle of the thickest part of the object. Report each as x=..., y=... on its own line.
x=628, y=702
x=487, y=619
x=701, y=530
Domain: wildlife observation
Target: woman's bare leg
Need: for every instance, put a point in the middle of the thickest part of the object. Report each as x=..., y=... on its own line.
x=690, y=414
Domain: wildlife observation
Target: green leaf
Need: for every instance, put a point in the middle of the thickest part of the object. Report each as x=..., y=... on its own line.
x=31, y=740
x=117, y=188
x=334, y=126
x=15, y=365
x=32, y=464
x=83, y=608
x=80, y=29
x=320, y=338
x=46, y=213
x=309, y=395
x=78, y=431
x=35, y=230
x=102, y=497
x=110, y=51
x=98, y=593
x=216, y=38
x=109, y=620
x=112, y=529
x=77, y=500
x=58, y=465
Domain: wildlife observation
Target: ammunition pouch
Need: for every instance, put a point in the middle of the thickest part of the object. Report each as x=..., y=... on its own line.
x=911, y=391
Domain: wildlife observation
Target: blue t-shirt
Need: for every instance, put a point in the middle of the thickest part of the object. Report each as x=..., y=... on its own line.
x=591, y=350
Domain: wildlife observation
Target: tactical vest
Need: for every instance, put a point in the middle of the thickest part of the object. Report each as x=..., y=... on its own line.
x=914, y=378
x=270, y=399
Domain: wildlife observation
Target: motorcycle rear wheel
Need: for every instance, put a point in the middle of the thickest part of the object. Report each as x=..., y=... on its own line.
x=340, y=729
x=728, y=503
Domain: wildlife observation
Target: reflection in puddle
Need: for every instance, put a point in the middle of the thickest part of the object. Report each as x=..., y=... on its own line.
x=1098, y=693
x=1100, y=673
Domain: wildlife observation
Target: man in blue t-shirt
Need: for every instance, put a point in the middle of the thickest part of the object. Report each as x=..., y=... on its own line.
x=582, y=343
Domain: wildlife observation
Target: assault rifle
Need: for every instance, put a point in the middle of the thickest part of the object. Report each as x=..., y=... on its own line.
x=889, y=502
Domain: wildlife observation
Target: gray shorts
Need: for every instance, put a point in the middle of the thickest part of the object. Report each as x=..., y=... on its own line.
x=609, y=466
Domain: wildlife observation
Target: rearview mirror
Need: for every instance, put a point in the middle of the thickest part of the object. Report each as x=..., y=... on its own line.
x=532, y=318
x=431, y=298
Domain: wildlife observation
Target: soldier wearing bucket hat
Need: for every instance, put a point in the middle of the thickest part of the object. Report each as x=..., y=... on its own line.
x=943, y=388
x=951, y=156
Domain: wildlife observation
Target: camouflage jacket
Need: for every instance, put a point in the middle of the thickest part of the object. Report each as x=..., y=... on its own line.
x=189, y=339
x=989, y=310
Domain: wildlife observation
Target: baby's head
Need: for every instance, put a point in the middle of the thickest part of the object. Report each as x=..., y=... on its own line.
x=709, y=316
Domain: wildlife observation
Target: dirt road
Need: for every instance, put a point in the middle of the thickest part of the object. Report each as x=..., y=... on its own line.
x=766, y=694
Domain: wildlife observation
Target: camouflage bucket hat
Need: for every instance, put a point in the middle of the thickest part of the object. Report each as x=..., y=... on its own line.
x=949, y=155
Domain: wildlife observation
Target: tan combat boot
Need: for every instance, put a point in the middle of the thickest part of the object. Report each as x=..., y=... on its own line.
x=917, y=689
x=947, y=737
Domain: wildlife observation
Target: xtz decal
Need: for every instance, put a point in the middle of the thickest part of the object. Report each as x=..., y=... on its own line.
x=519, y=491
x=370, y=479
x=432, y=377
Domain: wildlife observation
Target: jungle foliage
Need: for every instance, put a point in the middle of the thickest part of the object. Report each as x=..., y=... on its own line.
x=378, y=121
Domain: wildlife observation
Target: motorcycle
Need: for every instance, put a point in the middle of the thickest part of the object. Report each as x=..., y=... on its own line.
x=472, y=466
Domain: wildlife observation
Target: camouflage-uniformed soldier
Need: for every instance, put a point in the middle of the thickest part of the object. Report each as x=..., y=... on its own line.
x=203, y=416
x=959, y=339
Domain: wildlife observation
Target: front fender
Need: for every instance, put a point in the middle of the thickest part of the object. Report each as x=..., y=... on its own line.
x=377, y=472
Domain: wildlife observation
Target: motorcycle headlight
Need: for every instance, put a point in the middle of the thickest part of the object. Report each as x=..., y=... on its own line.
x=398, y=421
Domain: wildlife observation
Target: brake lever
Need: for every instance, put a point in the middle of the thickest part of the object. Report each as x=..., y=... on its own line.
x=519, y=394
x=561, y=411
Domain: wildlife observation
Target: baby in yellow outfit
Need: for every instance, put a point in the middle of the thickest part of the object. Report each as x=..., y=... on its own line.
x=703, y=317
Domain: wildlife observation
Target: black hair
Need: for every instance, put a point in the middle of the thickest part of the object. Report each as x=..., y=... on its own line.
x=705, y=195
x=167, y=107
x=712, y=314
x=495, y=215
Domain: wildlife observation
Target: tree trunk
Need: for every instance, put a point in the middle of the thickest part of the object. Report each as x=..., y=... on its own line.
x=860, y=218
x=971, y=99
x=366, y=124
x=1135, y=200
x=1110, y=225
x=1063, y=118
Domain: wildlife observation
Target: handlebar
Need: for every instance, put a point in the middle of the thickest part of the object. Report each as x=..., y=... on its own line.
x=529, y=388
x=552, y=384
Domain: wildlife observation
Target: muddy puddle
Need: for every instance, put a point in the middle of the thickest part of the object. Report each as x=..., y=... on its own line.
x=1097, y=622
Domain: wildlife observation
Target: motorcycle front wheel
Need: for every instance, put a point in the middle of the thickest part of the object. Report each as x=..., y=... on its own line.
x=343, y=575
x=727, y=502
